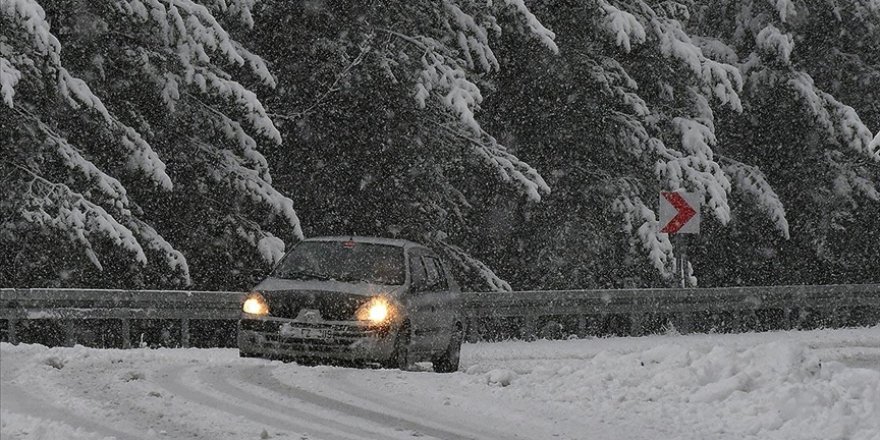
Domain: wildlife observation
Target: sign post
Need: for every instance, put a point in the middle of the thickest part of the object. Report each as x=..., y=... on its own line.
x=680, y=214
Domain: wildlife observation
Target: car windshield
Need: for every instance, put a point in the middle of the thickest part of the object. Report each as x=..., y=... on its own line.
x=347, y=261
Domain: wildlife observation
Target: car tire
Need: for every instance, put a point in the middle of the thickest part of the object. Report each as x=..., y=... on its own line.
x=400, y=355
x=448, y=361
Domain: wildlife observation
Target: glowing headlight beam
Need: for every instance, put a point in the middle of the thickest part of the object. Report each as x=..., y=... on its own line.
x=255, y=304
x=377, y=310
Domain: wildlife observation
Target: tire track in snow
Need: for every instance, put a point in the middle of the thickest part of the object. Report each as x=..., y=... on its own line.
x=859, y=353
x=273, y=384
x=15, y=400
x=851, y=356
x=173, y=381
x=352, y=387
x=243, y=389
x=86, y=394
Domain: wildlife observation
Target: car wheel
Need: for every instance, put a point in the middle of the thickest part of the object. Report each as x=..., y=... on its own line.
x=449, y=360
x=400, y=355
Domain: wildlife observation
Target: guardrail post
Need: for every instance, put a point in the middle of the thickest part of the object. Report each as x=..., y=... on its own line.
x=126, y=333
x=184, y=332
x=787, y=318
x=10, y=324
x=581, y=326
x=530, y=328
x=685, y=322
x=839, y=316
x=636, y=321
x=69, y=333
x=471, y=330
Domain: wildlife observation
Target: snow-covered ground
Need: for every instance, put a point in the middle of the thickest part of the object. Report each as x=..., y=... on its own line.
x=782, y=385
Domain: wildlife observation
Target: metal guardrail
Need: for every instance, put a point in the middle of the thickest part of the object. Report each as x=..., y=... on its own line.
x=68, y=307
x=178, y=317
x=525, y=314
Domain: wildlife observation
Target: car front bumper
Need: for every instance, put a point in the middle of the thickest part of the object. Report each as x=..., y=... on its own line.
x=345, y=341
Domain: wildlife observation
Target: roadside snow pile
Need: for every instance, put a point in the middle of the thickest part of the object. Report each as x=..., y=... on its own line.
x=775, y=390
x=816, y=385
x=500, y=377
x=17, y=426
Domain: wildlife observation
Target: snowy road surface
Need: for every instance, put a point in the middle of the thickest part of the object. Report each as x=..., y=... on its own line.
x=784, y=385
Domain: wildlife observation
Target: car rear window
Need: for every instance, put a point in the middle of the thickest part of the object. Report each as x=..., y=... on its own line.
x=346, y=261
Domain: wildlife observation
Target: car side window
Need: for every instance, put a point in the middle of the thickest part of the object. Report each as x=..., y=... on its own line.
x=418, y=278
x=441, y=267
x=436, y=280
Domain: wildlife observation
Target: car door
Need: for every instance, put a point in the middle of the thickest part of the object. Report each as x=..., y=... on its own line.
x=439, y=295
x=448, y=310
x=421, y=305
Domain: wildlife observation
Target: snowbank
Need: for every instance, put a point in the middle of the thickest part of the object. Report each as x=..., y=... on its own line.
x=783, y=385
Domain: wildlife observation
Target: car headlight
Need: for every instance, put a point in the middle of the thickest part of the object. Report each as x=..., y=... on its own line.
x=255, y=304
x=377, y=310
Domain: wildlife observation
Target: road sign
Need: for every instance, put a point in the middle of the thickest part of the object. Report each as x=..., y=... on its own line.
x=680, y=212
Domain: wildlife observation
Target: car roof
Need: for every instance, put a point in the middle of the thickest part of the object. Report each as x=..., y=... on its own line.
x=398, y=242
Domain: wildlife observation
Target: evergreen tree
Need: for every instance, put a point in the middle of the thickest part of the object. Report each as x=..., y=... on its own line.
x=812, y=88
x=376, y=103
x=625, y=111
x=130, y=148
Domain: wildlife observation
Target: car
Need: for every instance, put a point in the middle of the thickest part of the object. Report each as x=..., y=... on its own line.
x=387, y=302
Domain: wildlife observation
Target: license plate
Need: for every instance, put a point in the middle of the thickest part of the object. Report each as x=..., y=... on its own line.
x=304, y=332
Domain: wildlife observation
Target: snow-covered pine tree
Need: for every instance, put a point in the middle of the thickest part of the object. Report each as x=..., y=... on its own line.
x=128, y=146
x=377, y=104
x=628, y=110
x=811, y=101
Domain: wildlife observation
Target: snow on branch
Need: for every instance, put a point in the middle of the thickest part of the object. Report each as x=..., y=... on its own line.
x=622, y=25
x=511, y=169
x=246, y=100
x=72, y=159
x=178, y=48
x=269, y=247
x=56, y=206
x=641, y=220
x=840, y=121
x=192, y=31
x=142, y=157
x=772, y=41
x=471, y=264
x=234, y=132
x=719, y=80
x=242, y=9
x=544, y=35
x=785, y=8
x=615, y=82
x=30, y=16
x=508, y=167
x=9, y=77
x=155, y=242
x=229, y=167
x=752, y=181
x=457, y=92
x=472, y=37
x=696, y=169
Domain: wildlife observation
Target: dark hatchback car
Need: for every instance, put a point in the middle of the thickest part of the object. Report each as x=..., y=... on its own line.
x=366, y=300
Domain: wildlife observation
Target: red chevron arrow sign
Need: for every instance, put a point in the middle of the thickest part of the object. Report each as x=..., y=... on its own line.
x=680, y=212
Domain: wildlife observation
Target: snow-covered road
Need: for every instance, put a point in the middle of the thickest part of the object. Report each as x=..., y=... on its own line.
x=783, y=385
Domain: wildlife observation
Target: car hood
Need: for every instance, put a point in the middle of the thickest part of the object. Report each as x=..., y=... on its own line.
x=335, y=300
x=362, y=289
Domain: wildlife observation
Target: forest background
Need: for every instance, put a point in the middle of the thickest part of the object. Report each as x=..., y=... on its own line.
x=188, y=144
